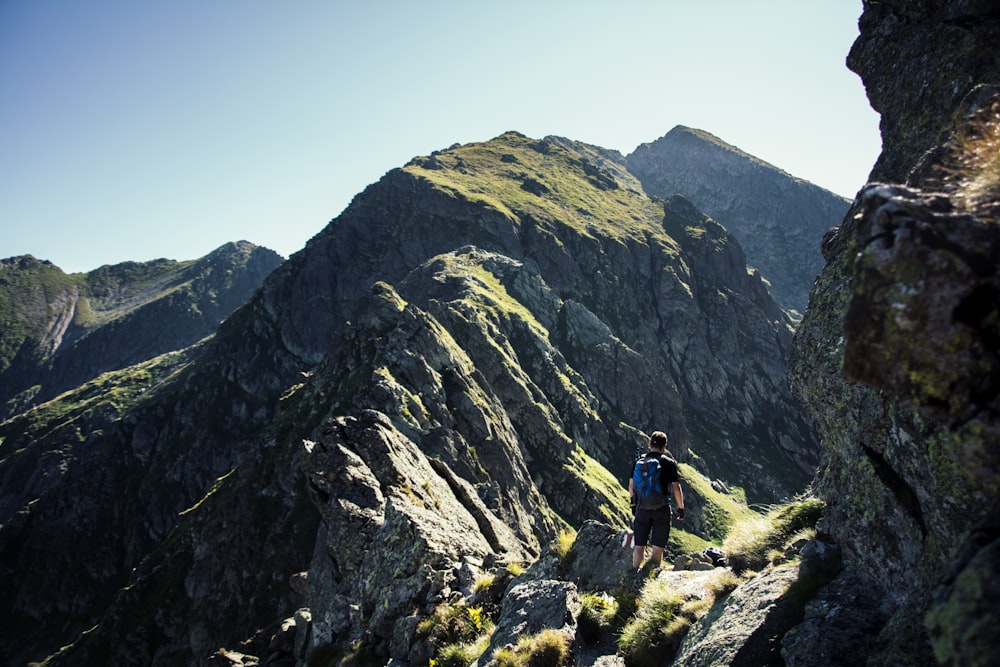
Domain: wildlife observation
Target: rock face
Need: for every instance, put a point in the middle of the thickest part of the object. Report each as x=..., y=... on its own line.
x=740, y=631
x=460, y=364
x=63, y=330
x=919, y=61
x=778, y=219
x=531, y=607
x=896, y=358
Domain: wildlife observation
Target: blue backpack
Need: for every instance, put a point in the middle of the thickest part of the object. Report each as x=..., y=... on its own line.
x=646, y=478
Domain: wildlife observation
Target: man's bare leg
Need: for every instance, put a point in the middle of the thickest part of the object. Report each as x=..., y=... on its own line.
x=657, y=556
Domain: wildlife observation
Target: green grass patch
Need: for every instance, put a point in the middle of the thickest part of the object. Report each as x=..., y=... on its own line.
x=613, y=501
x=662, y=618
x=598, y=616
x=548, y=648
x=756, y=541
x=720, y=510
x=521, y=177
x=653, y=633
x=117, y=390
x=683, y=542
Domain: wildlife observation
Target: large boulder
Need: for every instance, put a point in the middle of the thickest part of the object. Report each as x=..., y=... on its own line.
x=745, y=629
x=533, y=606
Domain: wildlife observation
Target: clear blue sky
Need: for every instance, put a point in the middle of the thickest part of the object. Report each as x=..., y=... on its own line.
x=137, y=129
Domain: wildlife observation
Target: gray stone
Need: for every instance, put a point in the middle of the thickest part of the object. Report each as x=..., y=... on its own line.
x=531, y=607
x=746, y=628
x=597, y=560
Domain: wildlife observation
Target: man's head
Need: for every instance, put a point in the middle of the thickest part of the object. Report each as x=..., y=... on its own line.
x=658, y=441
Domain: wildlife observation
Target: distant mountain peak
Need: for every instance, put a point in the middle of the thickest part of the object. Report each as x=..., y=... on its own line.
x=779, y=219
x=65, y=329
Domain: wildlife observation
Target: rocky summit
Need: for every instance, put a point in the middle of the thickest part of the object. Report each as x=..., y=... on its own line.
x=778, y=219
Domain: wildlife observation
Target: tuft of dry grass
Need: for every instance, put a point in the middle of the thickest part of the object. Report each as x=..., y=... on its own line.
x=757, y=541
x=973, y=167
x=548, y=648
x=563, y=543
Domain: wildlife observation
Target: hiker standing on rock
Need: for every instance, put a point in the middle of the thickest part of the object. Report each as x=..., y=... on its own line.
x=655, y=472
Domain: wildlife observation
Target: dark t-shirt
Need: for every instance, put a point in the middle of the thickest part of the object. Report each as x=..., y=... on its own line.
x=668, y=472
x=668, y=468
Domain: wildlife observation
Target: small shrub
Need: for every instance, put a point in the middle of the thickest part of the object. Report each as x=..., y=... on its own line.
x=597, y=616
x=454, y=624
x=458, y=633
x=548, y=648
x=563, y=543
x=651, y=635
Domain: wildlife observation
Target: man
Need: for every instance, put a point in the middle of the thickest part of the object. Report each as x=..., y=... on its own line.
x=651, y=524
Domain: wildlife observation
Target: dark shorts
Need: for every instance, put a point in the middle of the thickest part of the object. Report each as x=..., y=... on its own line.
x=651, y=527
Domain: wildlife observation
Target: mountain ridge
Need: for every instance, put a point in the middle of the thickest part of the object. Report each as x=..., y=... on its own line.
x=90, y=323
x=384, y=380
x=469, y=309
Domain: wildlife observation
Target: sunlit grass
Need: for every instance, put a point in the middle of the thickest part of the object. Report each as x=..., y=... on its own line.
x=755, y=541
x=974, y=162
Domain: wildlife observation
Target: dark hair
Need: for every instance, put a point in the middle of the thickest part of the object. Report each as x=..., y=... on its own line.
x=658, y=440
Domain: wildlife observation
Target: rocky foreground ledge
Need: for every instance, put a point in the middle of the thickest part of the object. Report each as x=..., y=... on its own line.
x=719, y=618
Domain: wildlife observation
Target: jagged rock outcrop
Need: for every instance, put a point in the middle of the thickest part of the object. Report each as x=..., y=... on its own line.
x=387, y=547
x=896, y=356
x=62, y=330
x=778, y=219
x=482, y=337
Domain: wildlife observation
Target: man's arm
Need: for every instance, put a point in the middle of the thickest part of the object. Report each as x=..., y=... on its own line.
x=679, y=498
